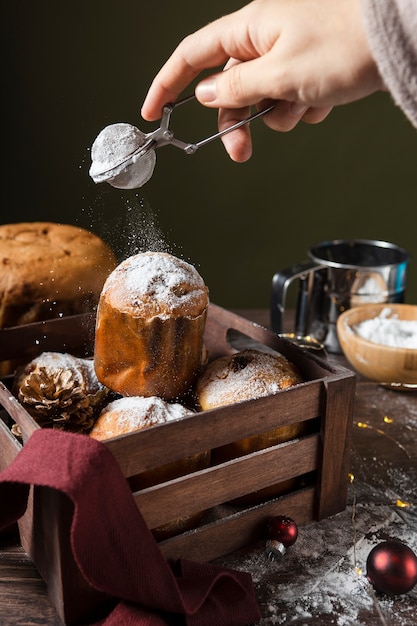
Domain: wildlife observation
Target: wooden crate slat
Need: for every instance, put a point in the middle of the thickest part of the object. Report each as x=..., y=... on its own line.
x=9, y=445
x=221, y=321
x=238, y=529
x=336, y=426
x=74, y=334
x=17, y=412
x=210, y=429
x=195, y=492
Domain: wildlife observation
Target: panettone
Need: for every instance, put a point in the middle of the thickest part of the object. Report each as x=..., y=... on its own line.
x=49, y=270
x=245, y=375
x=129, y=414
x=242, y=376
x=150, y=323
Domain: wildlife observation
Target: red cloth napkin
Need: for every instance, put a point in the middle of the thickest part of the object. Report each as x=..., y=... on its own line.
x=112, y=546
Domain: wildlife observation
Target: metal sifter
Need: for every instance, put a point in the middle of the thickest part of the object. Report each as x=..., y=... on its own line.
x=124, y=157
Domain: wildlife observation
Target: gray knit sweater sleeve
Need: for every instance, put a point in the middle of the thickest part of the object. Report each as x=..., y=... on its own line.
x=391, y=27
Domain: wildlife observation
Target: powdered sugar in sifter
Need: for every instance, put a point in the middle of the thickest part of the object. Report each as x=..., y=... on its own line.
x=124, y=156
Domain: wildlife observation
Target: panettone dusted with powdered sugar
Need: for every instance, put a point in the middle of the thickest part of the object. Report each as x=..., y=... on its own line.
x=248, y=375
x=129, y=414
x=137, y=413
x=150, y=323
x=245, y=375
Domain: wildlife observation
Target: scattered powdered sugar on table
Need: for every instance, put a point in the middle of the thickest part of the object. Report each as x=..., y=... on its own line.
x=321, y=580
x=388, y=331
x=322, y=577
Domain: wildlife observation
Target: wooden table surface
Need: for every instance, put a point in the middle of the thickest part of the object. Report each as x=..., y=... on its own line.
x=321, y=579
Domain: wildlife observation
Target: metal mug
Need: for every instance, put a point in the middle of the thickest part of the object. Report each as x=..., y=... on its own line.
x=339, y=275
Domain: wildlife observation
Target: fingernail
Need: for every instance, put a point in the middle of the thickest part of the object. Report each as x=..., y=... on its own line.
x=298, y=109
x=206, y=90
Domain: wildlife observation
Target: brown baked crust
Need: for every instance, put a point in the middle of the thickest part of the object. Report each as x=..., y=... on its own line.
x=150, y=323
x=245, y=375
x=49, y=270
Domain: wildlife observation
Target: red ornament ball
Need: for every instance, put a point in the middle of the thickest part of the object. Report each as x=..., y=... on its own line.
x=283, y=529
x=391, y=568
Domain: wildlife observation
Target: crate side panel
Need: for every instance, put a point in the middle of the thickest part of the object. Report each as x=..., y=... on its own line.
x=141, y=451
x=138, y=452
x=74, y=334
x=335, y=452
x=220, y=322
x=238, y=530
x=219, y=484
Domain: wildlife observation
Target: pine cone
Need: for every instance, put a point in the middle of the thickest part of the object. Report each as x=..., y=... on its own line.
x=60, y=391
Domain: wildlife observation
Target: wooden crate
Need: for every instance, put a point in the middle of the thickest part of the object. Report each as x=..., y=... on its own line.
x=320, y=459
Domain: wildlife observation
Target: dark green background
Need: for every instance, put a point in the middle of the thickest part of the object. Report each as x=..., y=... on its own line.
x=71, y=68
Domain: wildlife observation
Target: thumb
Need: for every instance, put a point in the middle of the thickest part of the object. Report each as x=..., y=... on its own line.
x=239, y=85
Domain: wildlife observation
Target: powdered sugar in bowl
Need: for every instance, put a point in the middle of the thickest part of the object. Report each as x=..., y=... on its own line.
x=380, y=341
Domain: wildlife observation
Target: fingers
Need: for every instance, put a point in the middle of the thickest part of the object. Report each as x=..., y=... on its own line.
x=238, y=143
x=197, y=52
x=284, y=117
x=216, y=45
x=316, y=53
x=315, y=115
x=240, y=84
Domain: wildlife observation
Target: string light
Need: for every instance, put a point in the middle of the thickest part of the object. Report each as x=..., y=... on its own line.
x=364, y=425
x=403, y=505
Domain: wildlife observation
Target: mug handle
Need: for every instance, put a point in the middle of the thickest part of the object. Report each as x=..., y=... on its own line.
x=280, y=283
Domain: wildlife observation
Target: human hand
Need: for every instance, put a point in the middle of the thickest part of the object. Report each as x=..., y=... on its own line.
x=307, y=55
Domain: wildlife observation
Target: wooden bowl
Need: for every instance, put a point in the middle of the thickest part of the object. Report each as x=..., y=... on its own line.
x=374, y=360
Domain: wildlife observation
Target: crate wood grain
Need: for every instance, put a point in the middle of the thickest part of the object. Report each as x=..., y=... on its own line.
x=319, y=459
